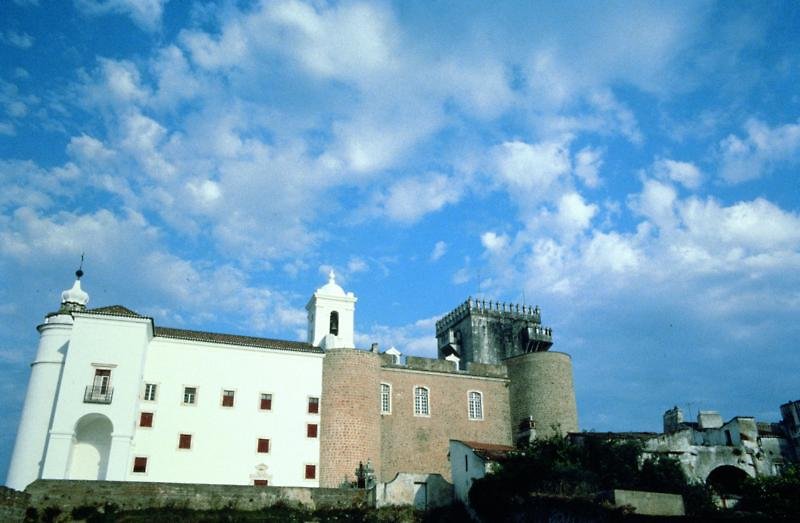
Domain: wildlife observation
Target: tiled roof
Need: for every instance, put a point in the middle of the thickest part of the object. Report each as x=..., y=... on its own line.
x=115, y=310
x=489, y=451
x=234, y=339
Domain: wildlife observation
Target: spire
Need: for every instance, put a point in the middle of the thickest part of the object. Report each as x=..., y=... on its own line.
x=74, y=299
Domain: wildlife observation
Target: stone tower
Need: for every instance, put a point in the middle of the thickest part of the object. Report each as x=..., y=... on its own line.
x=541, y=392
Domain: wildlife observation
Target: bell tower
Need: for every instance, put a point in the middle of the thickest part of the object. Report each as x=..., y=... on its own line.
x=331, y=314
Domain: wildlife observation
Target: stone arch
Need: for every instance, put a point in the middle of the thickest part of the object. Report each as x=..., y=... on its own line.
x=727, y=479
x=91, y=445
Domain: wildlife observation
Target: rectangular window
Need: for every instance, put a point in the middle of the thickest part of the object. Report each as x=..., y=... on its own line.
x=185, y=441
x=150, y=391
x=266, y=402
x=263, y=445
x=189, y=395
x=227, y=398
x=140, y=465
x=313, y=405
x=475, y=402
x=311, y=430
x=311, y=472
x=260, y=483
x=421, y=402
x=146, y=419
x=386, y=398
x=102, y=381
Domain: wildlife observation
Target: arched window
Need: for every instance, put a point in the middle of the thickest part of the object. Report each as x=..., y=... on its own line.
x=475, y=404
x=421, y=402
x=386, y=398
x=334, y=325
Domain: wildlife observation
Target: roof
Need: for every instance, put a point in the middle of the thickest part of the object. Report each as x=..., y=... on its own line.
x=115, y=310
x=489, y=451
x=234, y=339
x=209, y=337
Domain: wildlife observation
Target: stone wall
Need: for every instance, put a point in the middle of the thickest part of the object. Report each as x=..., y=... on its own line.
x=421, y=491
x=67, y=495
x=420, y=444
x=350, y=415
x=650, y=503
x=541, y=387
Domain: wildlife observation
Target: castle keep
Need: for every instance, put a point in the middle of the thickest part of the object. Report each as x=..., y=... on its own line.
x=112, y=396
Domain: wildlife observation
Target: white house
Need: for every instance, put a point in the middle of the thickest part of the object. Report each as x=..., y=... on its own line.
x=471, y=460
x=112, y=396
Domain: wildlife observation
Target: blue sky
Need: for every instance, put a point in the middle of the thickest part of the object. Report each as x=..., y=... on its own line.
x=632, y=168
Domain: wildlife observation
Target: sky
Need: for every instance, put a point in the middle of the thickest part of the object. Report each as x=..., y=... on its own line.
x=630, y=167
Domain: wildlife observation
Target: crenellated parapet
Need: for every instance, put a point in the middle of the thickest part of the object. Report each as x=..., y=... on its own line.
x=482, y=307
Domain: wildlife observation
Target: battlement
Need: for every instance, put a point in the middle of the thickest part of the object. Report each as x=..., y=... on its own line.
x=488, y=309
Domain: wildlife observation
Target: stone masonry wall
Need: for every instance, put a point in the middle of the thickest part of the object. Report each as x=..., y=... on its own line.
x=542, y=387
x=66, y=495
x=420, y=444
x=350, y=415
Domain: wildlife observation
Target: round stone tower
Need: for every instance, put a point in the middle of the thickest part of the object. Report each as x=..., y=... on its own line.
x=542, y=390
x=54, y=335
x=350, y=423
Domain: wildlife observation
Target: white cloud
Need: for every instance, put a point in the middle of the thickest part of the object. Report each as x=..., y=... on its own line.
x=439, y=250
x=759, y=152
x=685, y=173
x=86, y=149
x=532, y=168
x=574, y=214
x=356, y=264
x=588, y=162
x=144, y=13
x=493, y=242
x=410, y=199
x=21, y=40
x=611, y=252
x=413, y=339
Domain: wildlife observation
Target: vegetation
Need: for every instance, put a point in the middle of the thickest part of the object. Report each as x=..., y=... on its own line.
x=776, y=497
x=557, y=467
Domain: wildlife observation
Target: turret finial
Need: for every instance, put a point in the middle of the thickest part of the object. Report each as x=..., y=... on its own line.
x=79, y=272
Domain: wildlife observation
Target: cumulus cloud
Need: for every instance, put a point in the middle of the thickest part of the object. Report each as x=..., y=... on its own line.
x=532, y=168
x=759, y=151
x=588, y=162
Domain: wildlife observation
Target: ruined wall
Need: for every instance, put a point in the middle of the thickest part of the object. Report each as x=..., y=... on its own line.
x=541, y=387
x=420, y=444
x=350, y=416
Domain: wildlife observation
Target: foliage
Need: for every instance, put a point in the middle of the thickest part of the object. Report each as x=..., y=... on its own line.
x=557, y=467
x=774, y=496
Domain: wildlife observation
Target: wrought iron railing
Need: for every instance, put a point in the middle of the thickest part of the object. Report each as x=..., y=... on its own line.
x=98, y=394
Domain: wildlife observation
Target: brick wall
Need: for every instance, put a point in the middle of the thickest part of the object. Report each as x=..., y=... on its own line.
x=420, y=444
x=350, y=416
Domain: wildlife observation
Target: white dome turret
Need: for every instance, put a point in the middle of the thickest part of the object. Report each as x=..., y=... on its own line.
x=331, y=288
x=74, y=299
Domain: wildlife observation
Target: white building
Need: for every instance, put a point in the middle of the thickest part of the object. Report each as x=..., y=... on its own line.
x=112, y=396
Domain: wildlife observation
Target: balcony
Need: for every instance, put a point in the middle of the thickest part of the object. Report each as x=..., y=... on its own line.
x=96, y=394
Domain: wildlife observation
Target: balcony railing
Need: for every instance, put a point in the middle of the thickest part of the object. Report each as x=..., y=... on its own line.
x=98, y=394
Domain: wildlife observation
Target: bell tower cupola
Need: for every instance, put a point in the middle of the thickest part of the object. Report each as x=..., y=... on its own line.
x=331, y=314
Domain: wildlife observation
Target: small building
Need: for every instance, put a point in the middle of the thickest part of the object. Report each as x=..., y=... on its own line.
x=471, y=460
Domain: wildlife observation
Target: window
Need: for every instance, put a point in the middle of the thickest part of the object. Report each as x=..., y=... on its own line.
x=266, y=402
x=189, y=395
x=263, y=446
x=140, y=465
x=334, y=324
x=311, y=472
x=311, y=430
x=227, y=398
x=260, y=483
x=102, y=381
x=146, y=419
x=185, y=441
x=386, y=398
x=421, y=404
x=475, y=401
x=150, y=392
x=313, y=405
